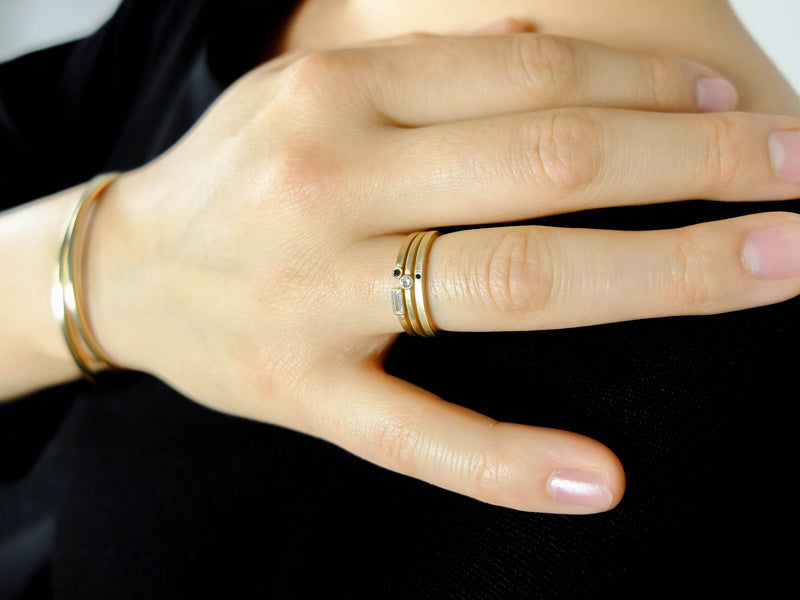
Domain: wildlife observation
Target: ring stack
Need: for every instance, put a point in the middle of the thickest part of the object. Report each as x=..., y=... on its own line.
x=410, y=300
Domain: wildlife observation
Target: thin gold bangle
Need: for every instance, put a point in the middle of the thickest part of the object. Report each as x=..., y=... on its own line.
x=71, y=311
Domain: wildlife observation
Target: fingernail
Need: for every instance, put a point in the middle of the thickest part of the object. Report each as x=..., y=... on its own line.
x=774, y=252
x=582, y=488
x=784, y=151
x=715, y=94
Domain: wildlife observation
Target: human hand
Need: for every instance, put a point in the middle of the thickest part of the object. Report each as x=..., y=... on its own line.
x=253, y=261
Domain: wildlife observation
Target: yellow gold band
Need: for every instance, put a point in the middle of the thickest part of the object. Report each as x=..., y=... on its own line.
x=68, y=306
x=410, y=301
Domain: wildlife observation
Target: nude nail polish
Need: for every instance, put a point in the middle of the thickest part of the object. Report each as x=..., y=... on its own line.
x=784, y=151
x=773, y=252
x=715, y=94
x=582, y=488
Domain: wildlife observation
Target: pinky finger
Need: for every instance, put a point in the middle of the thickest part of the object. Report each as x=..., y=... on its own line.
x=403, y=428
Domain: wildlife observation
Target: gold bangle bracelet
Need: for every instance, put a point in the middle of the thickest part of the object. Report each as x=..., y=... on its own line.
x=69, y=308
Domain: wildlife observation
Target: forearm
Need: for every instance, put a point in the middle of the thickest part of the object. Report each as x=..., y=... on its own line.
x=117, y=248
x=32, y=353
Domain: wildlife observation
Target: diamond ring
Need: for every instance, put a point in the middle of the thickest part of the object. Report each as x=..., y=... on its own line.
x=410, y=300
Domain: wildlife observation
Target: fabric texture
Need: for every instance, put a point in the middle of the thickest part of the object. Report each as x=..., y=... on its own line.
x=158, y=497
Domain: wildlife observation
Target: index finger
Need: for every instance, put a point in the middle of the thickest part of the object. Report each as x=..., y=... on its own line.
x=456, y=78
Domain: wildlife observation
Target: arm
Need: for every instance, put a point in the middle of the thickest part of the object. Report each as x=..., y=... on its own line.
x=33, y=354
x=62, y=112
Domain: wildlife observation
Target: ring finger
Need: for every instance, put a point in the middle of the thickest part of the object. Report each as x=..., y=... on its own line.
x=530, y=277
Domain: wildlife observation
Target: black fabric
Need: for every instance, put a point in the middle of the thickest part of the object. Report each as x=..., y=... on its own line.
x=162, y=498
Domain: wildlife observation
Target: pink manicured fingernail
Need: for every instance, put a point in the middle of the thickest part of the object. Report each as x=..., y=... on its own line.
x=582, y=488
x=774, y=252
x=784, y=151
x=715, y=94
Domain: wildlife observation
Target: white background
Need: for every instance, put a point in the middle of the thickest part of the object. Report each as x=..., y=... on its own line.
x=28, y=24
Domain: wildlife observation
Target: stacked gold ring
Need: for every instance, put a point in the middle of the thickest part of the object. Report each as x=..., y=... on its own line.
x=410, y=299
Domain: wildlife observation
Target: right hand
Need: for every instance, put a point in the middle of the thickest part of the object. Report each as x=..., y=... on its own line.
x=250, y=266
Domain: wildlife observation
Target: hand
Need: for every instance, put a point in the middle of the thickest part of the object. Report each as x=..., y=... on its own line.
x=253, y=261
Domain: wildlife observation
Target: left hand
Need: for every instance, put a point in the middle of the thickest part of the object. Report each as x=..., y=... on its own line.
x=250, y=266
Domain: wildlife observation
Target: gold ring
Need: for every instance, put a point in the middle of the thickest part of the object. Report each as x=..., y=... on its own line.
x=410, y=299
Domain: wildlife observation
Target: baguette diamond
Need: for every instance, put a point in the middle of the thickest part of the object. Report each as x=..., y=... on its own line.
x=397, y=302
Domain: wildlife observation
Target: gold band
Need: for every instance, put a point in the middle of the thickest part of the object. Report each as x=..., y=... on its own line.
x=404, y=277
x=68, y=306
x=410, y=300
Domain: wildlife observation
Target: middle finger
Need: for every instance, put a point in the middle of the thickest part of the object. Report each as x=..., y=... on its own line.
x=530, y=165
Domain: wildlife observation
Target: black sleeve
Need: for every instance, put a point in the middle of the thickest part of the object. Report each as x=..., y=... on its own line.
x=63, y=109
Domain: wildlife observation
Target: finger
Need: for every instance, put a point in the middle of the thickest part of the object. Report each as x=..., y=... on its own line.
x=507, y=26
x=526, y=278
x=550, y=162
x=457, y=78
x=408, y=430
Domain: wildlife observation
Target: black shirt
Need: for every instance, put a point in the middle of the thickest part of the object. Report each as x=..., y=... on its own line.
x=158, y=497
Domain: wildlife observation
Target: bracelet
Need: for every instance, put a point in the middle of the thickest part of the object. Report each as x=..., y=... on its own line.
x=68, y=305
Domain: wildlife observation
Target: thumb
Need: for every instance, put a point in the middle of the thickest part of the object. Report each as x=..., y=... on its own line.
x=399, y=426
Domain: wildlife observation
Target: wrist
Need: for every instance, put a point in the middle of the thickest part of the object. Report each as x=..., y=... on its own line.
x=115, y=264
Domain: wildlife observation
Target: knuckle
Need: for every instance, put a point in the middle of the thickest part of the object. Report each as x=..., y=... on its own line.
x=517, y=277
x=482, y=472
x=547, y=63
x=562, y=151
x=307, y=72
x=309, y=79
x=301, y=177
x=489, y=469
x=399, y=442
x=663, y=75
x=725, y=163
x=690, y=273
x=487, y=472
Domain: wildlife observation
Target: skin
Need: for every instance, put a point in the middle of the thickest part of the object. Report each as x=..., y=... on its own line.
x=266, y=236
